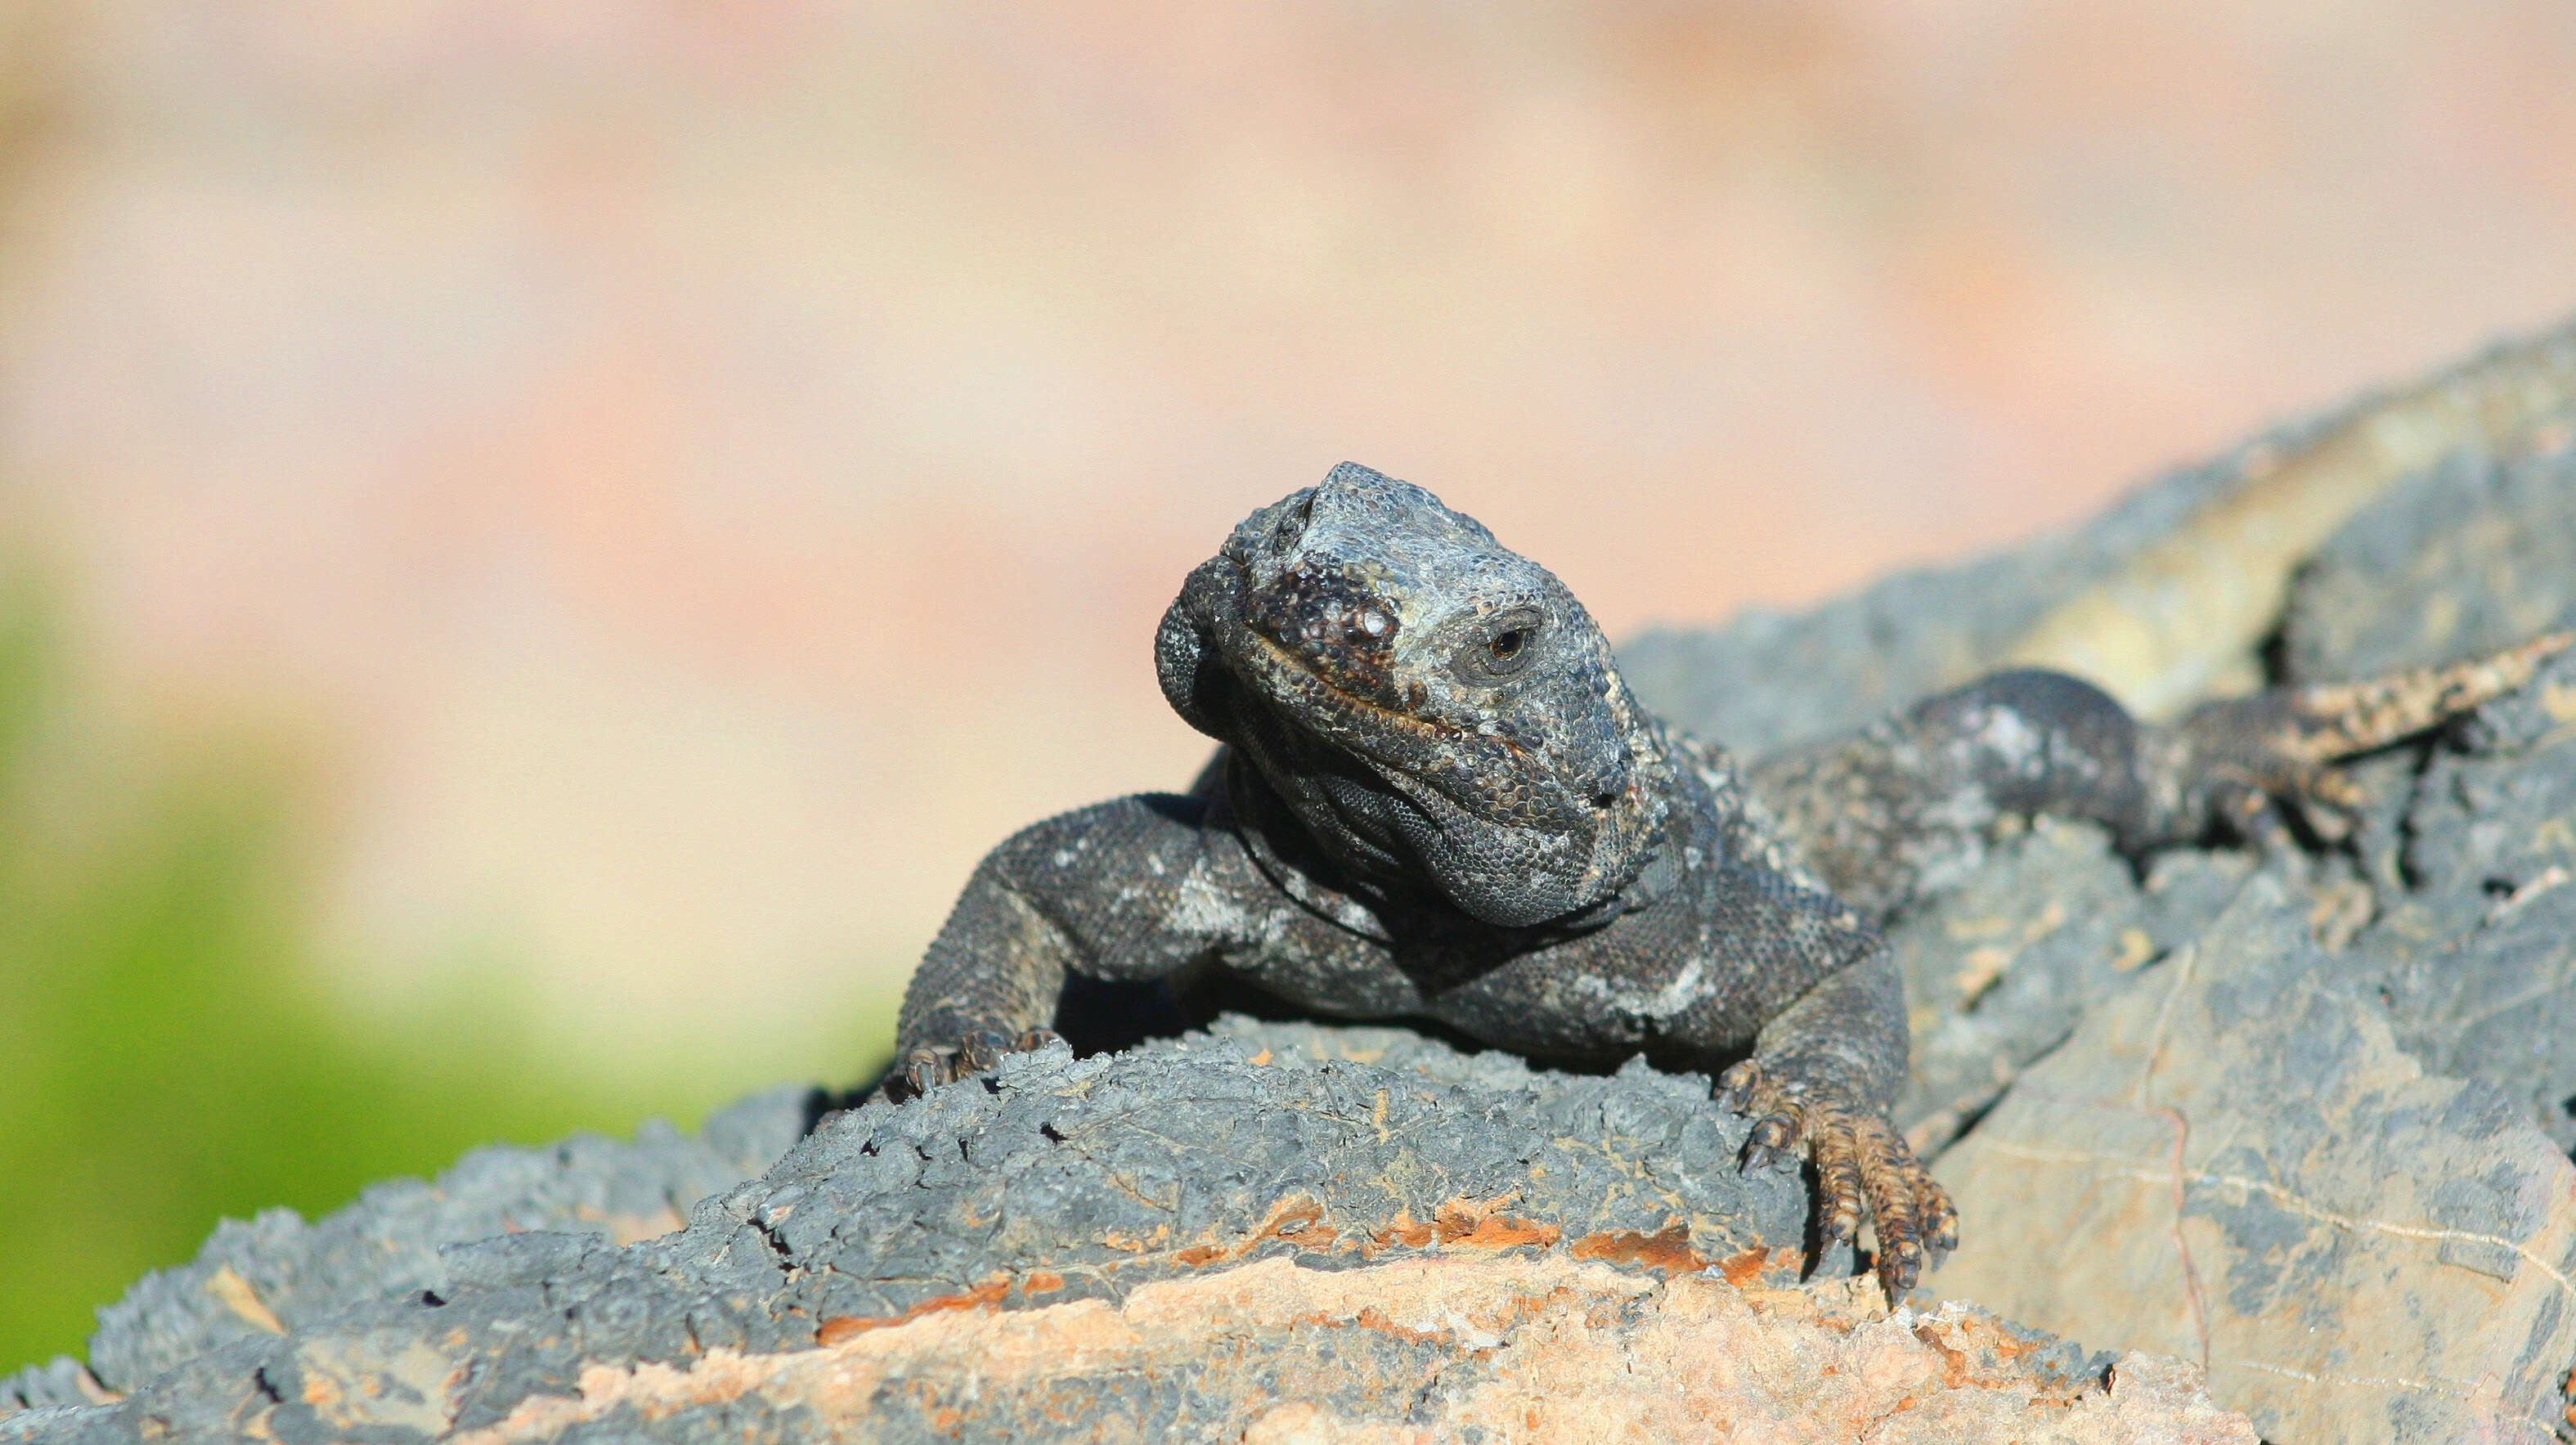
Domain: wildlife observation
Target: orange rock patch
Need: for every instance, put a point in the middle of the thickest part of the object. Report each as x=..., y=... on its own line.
x=1566, y=1351
x=1668, y=1249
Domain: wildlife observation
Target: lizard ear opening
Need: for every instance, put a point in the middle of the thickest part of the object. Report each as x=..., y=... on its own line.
x=1194, y=681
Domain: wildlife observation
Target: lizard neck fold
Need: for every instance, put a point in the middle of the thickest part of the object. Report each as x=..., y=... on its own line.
x=1389, y=908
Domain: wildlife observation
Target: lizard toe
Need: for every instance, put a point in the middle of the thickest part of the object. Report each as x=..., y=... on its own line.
x=977, y=1050
x=2330, y=802
x=980, y=1049
x=1941, y=1219
x=1741, y=1087
x=1839, y=1191
x=1909, y=1212
x=2251, y=814
x=925, y=1069
x=1862, y=1163
x=1773, y=1141
x=1779, y=1117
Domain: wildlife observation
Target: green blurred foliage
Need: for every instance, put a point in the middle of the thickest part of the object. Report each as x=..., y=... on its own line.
x=165, y=1057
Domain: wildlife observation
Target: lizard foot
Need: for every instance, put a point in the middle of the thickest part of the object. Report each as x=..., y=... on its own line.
x=976, y=1050
x=2252, y=759
x=1858, y=1154
x=2255, y=802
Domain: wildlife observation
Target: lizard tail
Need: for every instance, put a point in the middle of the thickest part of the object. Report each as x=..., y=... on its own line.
x=2340, y=718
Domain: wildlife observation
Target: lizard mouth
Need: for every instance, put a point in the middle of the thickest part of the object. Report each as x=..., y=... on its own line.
x=1279, y=660
x=1287, y=673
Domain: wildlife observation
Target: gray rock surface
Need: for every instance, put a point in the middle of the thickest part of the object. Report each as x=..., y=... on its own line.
x=2477, y=960
x=1059, y=1180
x=2233, y=1162
x=2471, y=557
x=2002, y=967
x=279, y=1272
x=2474, y=946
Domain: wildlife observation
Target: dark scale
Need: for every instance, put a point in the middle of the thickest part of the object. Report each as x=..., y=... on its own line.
x=1436, y=799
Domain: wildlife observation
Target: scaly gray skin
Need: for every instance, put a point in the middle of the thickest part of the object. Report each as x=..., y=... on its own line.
x=1437, y=799
x=1877, y=814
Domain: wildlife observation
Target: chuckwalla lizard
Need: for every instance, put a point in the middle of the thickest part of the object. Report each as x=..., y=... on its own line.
x=1436, y=798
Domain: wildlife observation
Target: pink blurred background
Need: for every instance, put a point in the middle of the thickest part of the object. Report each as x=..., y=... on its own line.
x=686, y=478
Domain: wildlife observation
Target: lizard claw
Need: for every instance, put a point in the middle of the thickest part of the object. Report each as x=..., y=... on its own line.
x=976, y=1051
x=1746, y=1089
x=1859, y=1157
x=1735, y=1087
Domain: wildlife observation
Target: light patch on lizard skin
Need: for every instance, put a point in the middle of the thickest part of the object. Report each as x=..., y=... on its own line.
x=1203, y=910
x=1652, y=1007
x=2005, y=731
x=1677, y=997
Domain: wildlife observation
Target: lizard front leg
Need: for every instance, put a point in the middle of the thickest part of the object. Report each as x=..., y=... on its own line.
x=987, y=986
x=1822, y=1077
x=1090, y=892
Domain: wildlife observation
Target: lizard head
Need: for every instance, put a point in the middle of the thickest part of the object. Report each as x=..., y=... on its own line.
x=1434, y=707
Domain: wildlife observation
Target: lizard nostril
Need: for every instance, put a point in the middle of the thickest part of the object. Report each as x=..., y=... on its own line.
x=1293, y=521
x=1604, y=800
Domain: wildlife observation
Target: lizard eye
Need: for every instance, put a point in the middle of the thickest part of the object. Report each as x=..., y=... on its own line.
x=1502, y=648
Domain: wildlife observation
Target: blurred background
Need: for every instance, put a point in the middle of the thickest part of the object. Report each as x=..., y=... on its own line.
x=539, y=542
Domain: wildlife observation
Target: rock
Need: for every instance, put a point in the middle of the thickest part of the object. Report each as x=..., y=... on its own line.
x=2233, y=1162
x=2500, y=1004
x=2002, y=965
x=1525, y=1349
x=2205, y=1140
x=2001, y=968
x=1053, y=1182
x=1332, y=1146
x=2185, y=616
x=276, y=1272
x=2477, y=963
x=2469, y=558
x=2475, y=952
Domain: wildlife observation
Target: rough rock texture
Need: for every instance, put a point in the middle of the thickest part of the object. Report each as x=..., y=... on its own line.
x=2476, y=554
x=2477, y=961
x=2233, y=1162
x=1415, y=1351
x=2475, y=952
x=278, y=1272
x=2001, y=968
x=1061, y=1180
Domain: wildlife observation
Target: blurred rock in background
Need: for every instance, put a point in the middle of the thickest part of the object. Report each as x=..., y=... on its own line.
x=628, y=501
